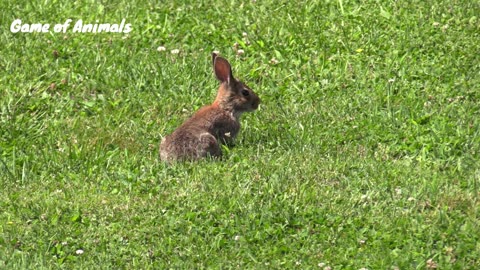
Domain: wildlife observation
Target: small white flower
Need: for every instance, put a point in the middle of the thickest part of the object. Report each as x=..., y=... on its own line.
x=244, y=34
x=175, y=51
x=321, y=264
x=431, y=264
x=398, y=191
x=161, y=49
x=240, y=52
x=79, y=251
x=236, y=238
x=273, y=61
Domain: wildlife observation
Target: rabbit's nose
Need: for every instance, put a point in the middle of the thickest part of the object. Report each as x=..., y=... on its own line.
x=255, y=104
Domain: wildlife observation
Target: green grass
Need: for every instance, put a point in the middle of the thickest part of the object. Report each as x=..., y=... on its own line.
x=364, y=154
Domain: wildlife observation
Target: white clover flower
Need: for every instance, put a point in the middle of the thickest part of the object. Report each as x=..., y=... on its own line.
x=274, y=61
x=431, y=264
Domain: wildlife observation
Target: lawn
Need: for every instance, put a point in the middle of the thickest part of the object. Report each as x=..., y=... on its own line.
x=364, y=153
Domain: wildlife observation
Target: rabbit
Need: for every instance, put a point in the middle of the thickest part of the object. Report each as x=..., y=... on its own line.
x=212, y=125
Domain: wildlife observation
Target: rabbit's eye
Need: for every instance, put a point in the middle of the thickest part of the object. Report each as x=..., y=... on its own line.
x=245, y=93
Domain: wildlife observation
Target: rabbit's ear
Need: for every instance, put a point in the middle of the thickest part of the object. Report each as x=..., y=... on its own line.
x=222, y=68
x=214, y=55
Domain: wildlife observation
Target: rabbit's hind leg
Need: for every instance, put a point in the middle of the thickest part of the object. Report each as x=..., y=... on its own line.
x=208, y=146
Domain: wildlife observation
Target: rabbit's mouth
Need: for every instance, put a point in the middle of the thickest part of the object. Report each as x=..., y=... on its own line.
x=255, y=103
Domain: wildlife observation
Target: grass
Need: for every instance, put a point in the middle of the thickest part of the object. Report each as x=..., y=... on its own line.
x=364, y=153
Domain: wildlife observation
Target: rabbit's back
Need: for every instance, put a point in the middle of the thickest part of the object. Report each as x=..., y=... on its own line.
x=201, y=135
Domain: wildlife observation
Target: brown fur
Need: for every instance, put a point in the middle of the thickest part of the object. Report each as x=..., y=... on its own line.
x=214, y=124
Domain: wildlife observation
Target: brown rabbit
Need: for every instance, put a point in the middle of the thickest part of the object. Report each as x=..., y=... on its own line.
x=214, y=124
